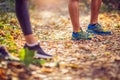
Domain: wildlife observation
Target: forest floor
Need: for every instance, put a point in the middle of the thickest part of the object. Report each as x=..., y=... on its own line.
x=96, y=59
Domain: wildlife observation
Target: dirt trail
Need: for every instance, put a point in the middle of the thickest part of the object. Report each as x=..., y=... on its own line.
x=97, y=59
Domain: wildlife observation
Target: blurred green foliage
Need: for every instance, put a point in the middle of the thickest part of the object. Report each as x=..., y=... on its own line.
x=110, y=5
x=9, y=31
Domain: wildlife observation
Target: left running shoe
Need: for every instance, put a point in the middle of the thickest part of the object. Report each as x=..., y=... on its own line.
x=4, y=54
x=40, y=53
x=97, y=29
x=81, y=35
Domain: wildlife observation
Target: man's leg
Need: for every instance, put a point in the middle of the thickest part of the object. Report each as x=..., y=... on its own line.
x=95, y=7
x=94, y=26
x=74, y=15
x=24, y=20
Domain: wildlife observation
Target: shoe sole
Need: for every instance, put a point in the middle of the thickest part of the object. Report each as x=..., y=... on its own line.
x=81, y=39
x=37, y=56
x=99, y=33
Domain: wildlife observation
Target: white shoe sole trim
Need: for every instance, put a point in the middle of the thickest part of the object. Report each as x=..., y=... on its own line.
x=42, y=56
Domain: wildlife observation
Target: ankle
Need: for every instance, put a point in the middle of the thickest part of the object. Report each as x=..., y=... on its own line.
x=93, y=23
x=30, y=39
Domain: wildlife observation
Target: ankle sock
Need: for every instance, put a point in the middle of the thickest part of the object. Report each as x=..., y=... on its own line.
x=31, y=45
x=79, y=30
x=94, y=24
x=91, y=26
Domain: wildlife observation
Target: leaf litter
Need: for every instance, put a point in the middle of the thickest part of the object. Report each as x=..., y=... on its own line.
x=97, y=59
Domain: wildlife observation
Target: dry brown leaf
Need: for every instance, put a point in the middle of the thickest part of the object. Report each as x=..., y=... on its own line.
x=3, y=74
x=47, y=70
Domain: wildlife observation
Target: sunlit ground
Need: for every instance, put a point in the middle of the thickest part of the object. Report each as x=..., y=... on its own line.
x=51, y=21
x=97, y=59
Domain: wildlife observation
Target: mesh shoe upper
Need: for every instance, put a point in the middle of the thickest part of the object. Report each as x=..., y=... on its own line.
x=81, y=35
x=97, y=29
x=39, y=50
x=3, y=52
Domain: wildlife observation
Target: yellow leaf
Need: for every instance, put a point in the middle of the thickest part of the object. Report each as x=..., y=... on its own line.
x=47, y=70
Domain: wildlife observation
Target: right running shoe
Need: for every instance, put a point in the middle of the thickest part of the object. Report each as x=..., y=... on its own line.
x=97, y=29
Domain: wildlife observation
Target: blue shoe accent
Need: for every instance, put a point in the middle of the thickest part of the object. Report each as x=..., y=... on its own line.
x=97, y=29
